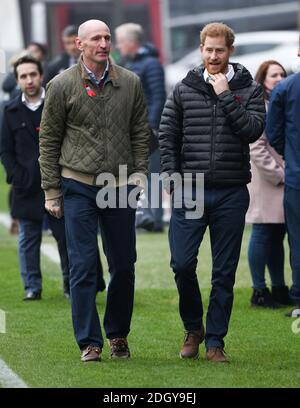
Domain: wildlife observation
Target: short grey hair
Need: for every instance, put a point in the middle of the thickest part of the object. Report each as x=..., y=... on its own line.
x=131, y=31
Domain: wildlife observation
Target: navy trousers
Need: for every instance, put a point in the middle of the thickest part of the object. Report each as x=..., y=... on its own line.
x=292, y=220
x=266, y=249
x=224, y=214
x=117, y=225
x=30, y=238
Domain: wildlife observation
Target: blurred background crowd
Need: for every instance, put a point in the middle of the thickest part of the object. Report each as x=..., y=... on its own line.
x=172, y=26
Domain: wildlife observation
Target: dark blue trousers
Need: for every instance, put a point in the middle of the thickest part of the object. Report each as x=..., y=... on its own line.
x=117, y=225
x=224, y=214
x=30, y=238
x=266, y=249
x=292, y=220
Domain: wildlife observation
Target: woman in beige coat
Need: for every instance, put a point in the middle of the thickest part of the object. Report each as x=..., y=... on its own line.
x=266, y=208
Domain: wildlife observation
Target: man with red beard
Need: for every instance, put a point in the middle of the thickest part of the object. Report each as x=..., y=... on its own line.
x=206, y=127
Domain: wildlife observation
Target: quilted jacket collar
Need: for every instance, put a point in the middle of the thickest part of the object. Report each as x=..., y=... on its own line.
x=112, y=73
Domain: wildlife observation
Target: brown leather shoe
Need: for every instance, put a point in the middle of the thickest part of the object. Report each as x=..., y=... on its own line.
x=91, y=353
x=119, y=348
x=190, y=347
x=216, y=354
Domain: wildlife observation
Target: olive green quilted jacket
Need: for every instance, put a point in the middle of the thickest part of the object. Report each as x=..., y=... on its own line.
x=91, y=131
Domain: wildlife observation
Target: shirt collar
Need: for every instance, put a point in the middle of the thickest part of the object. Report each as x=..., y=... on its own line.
x=229, y=75
x=34, y=105
x=93, y=76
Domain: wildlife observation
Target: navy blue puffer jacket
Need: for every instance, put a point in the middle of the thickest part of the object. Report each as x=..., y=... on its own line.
x=148, y=67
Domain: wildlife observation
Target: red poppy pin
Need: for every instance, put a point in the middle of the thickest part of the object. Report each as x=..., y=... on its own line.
x=238, y=98
x=89, y=91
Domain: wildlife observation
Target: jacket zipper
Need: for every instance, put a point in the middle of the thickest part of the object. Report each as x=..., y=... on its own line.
x=213, y=134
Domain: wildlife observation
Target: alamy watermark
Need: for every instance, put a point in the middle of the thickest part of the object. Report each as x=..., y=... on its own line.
x=295, y=326
x=187, y=191
x=2, y=322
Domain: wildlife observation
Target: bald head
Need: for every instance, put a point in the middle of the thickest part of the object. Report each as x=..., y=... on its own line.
x=90, y=26
x=94, y=42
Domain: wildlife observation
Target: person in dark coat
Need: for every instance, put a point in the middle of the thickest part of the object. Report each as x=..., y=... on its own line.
x=143, y=59
x=206, y=127
x=10, y=86
x=66, y=59
x=19, y=152
x=283, y=132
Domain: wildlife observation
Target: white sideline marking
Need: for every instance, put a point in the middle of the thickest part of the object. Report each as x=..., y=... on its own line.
x=51, y=251
x=9, y=379
x=2, y=322
x=48, y=250
x=5, y=220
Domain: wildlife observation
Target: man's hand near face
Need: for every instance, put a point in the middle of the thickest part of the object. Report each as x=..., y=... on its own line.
x=219, y=83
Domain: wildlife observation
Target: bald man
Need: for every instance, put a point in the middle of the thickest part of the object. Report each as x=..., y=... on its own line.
x=94, y=121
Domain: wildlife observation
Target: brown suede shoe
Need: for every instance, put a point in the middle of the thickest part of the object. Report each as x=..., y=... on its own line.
x=190, y=347
x=91, y=353
x=119, y=348
x=216, y=354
